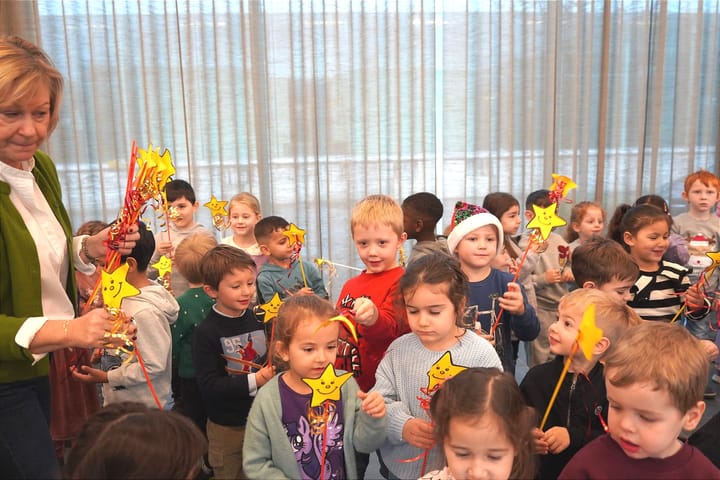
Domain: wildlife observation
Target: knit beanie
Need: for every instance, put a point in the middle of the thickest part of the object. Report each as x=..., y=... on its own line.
x=468, y=217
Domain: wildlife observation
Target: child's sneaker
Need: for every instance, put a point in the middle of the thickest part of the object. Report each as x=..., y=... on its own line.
x=716, y=378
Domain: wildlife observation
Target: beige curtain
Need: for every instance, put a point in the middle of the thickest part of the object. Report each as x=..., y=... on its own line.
x=312, y=105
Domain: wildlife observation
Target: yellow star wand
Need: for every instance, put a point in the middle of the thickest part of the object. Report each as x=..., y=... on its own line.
x=588, y=335
x=296, y=236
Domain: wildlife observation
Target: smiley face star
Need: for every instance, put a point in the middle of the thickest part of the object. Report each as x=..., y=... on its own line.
x=295, y=234
x=271, y=308
x=442, y=370
x=327, y=387
x=115, y=287
x=545, y=219
x=217, y=207
x=163, y=266
x=588, y=333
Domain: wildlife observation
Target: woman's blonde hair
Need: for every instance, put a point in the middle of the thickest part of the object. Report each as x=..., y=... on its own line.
x=24, y=70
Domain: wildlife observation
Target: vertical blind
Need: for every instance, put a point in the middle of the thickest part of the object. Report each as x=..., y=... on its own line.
x=312, y=105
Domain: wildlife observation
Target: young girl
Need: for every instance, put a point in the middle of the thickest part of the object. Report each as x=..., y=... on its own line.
x=484, y=426
x=587, y=220
x=433, y=289
x=507, y=209
x=677, y=252
x=282, y=435
x=644, y=232
x=244, y=213
x=476, y=240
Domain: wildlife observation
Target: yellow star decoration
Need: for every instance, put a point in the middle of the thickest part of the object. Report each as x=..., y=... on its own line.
x=217, y=207
x=442, y=370
x=295, y=234
x=163, y=266
x=165, y=169
x=715, y=257
x=145, y=158
x=115, y=287
x=545, y=219
x=568, y=184
x=271, y=308
x=339, y=318
x=327, y=387
x=588, y=333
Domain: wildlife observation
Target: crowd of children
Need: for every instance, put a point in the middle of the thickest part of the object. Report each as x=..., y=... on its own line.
x=415, y=363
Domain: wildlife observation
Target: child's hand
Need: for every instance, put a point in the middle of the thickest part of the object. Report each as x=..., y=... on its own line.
x=372, y=403
x=553, y=276
x=365, y=312
x=88, y=374
x=305, y=291
x=694, y=298
x=512, y=300
x=567, y=275
x=541, y=446
x=165, y=248
x=486, y=336
x=711, y=349
x=418, y=433
x=557, y=438
x=264, y=375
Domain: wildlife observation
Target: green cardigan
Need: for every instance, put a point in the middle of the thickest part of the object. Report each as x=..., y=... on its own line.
x=20, y=295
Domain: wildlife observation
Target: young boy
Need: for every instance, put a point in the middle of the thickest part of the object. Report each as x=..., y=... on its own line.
x=195, y=305
x=153, y=310
x=549, y=278
x=281, y=273
x=421, y=213
x=603, y=264
x=655, y=377
x=228, y=346
x=575, y=417
x=699, y=226
x=376, y=225
x=181, y=200
x=476, y=239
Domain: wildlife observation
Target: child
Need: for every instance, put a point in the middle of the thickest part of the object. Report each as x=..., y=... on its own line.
x=376, y=226
x=603, y=264
x=644, y=232
x=282, y=440
x=549, y=277
x=476, y=240
x=153, y=311
x=183, y=205
x=587, y=220
x=433, y=290
x=228, y=347
x=244, y=213
x=576, y=416
x=701, y=230
x=677, y=252
x=195, y=305
x=484, y=426
x=282, y=273
x=655, y=377
x=698, y=226
x=507, y=209
x=129, y=440
x=421, y=213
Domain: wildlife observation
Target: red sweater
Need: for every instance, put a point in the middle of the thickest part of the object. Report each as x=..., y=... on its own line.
x=363, y=358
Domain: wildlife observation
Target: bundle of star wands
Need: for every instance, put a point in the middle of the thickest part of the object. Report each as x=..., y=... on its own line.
x=143, y=188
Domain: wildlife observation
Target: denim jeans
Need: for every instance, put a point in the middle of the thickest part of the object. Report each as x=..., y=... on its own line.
x=26, y=449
